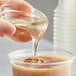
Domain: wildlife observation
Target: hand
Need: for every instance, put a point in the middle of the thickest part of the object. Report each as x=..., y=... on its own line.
x=6, y=27
x=21, y=5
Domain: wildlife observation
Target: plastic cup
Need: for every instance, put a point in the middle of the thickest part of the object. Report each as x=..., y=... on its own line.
x=51, y=67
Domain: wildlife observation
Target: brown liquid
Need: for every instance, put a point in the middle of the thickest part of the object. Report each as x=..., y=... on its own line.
x=46, y=69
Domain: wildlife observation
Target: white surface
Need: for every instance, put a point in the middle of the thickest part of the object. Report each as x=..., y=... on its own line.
x=7, y=46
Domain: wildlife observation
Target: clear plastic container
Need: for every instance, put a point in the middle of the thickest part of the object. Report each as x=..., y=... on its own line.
x=47, y=63
x=65, y=26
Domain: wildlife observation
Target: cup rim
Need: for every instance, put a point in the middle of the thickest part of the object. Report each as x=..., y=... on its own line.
x=54, y=63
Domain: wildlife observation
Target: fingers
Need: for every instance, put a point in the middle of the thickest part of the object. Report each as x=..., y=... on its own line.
x=6, y=27
x=19, y=5
x=15, y=15
x=22, y=6
x=18, y=15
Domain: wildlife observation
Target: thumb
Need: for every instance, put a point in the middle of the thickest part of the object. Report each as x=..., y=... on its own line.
x=6, y=27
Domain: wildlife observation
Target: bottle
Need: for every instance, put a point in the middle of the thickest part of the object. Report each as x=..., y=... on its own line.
x=65, y=26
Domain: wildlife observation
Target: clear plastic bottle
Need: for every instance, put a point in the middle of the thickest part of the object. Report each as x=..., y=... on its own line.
x=65, y=26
